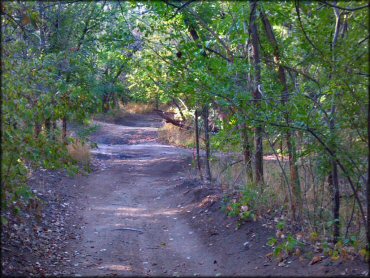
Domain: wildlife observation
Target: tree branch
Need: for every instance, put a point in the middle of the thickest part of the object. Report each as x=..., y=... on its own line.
x=170, y=120
x=218, y=53
x=204, y=24
x=296, y=3
x=345, y=9
x=178, y=9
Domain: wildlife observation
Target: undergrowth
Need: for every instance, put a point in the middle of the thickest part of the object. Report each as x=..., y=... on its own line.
x=137, y=108
x=173, y=135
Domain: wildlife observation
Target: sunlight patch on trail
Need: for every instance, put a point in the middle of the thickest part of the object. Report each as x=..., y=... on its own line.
x=116, y=127
x=108, y=149
x=116, y=267
x=140, y=212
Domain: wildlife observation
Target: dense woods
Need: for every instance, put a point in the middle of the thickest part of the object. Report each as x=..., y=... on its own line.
x=281, y=88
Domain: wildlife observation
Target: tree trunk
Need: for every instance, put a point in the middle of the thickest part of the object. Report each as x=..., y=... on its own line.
x=247, y=153
x=47, y=124
x=179, y=108
x=256, y=94
x=156, y=101
x=206, y=135
x=333, y=177
x=294, y=177
x=334, y=183
x=38, y=128
x=197, y=143
x=246, y=144
x=64, y=129
x=296, y=203
x=115, y=101
x=54, y=125
x=195, y=37
x=105, y=103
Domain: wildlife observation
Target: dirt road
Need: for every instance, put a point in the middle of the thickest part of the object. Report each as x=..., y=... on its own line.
x=131, y=224
x=142, y=214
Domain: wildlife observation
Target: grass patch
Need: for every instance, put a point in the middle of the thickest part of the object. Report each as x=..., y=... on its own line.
x=79, y=151
x=137, y=108
x=111, y=115
x=124, y=111
x=174, y=135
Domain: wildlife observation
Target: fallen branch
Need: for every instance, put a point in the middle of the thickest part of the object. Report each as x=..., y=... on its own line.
x=170, y=120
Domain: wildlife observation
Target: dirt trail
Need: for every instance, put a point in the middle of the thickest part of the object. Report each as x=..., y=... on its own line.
x=130, y=224
x=137, y=216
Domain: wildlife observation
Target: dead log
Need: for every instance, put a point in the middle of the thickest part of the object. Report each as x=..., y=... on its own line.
x=170, y=120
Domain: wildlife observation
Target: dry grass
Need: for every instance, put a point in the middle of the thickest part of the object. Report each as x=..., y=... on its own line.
x=123, y=111
x=316, y=194
x=229, y=177
x=137, y=108
x=110, y=116
x=79, y=151
x=173, y=135
x=234, y=177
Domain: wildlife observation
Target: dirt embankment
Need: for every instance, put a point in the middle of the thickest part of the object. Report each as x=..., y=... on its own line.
x=141, y=212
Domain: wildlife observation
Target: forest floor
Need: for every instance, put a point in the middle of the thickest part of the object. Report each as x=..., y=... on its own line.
x=141, y=212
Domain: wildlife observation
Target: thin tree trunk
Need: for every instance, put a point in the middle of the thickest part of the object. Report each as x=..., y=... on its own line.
x=64, y=129
x=246, y=145
x=294, y=178
x=197, y=143
x=42, y=27
x=296, y=204
x=256, y=94
x=333, y=177
x=115, y=101
x=247, y=153
x=38, y=128
x=105, y=103
x=195, y=37
x=156, y=101
x=54, y=127
x=179, y=108
x=47, y=124
x=64, y=119
x=206, y=135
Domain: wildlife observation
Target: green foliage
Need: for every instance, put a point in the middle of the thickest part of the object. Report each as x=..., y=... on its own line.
x=285, y=247
x=243, y=207
x=272, y=242
x=86, y=131
x=71, y=60
x=48, y=74
x=280, y=225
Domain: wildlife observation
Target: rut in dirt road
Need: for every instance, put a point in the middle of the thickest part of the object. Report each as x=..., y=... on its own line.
x=132, y=226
